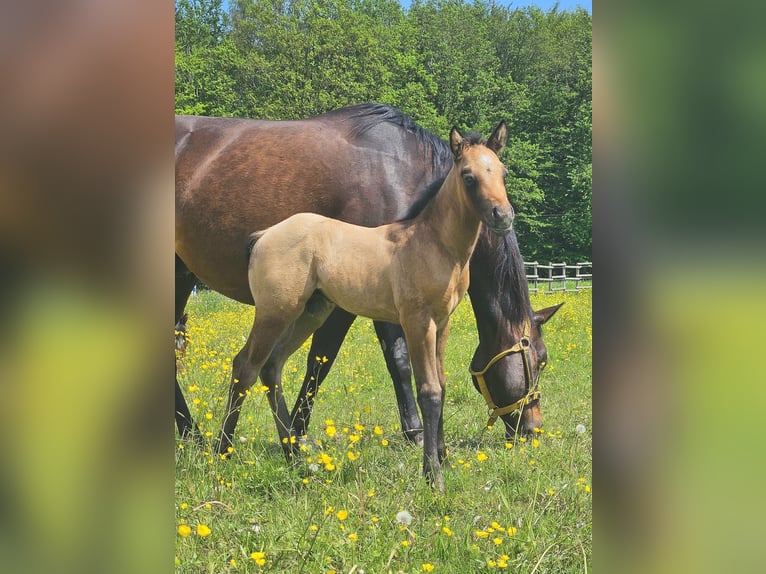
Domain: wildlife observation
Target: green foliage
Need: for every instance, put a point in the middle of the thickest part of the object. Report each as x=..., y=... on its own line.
x=443, y=62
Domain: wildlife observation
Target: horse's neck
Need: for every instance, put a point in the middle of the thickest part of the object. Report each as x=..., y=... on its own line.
x=449, y=218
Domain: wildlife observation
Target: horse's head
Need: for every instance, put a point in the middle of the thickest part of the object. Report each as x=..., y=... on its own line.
x=508, y=380
x=483, y=176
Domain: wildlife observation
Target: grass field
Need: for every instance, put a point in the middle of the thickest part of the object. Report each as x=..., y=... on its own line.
x=360, y=503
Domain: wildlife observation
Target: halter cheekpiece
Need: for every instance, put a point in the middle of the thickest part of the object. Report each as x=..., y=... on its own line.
x=532, y=391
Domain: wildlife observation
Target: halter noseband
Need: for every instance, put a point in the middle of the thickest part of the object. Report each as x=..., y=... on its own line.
x=532, y=392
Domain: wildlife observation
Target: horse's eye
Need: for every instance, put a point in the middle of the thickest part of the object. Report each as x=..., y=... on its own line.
x=469, y=180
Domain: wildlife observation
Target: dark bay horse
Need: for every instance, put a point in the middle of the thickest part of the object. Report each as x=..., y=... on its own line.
x=366, y=164
x=413, y=273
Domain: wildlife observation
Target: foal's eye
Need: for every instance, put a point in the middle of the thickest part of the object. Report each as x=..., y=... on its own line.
x=469, y=180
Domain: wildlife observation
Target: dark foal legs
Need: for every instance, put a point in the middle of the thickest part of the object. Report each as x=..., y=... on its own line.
x=397, y=357
x=185, y=281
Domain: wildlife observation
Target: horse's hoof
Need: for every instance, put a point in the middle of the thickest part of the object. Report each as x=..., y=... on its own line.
x=224, y=448
x=415, y=437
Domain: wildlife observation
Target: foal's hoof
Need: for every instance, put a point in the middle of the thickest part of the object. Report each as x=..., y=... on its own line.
x=193, y=435
x=436, y=482
x=306, y=443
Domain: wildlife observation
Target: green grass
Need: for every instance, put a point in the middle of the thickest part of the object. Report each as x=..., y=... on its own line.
x=518, y=508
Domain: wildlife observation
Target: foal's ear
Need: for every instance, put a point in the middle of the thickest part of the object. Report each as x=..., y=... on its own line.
x=543, y=315
x=456, y=142
x=497, y=140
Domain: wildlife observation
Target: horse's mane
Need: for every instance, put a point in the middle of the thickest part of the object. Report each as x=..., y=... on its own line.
x=510, y=277
x=364, y=117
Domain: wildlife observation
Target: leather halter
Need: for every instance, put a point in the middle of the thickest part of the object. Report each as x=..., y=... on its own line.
x=532, y=392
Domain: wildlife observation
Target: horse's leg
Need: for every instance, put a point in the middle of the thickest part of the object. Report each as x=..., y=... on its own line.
x=325, y=345
x=421, y=340
x=246, y=367
x=315, y=313
x=391, y=338
x=185, y=281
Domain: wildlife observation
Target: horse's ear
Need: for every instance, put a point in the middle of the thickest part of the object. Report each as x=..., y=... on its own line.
x=497, y=140
x=543, y=315
x=456, y=142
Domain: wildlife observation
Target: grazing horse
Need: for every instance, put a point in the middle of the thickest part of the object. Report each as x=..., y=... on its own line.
x=367, y=164
x=412, y=273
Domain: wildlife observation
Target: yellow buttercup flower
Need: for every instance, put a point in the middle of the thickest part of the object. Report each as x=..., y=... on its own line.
x=342, y=514
x=259, y=557
x=428, y=567
x=203, y=530
x=184, y=530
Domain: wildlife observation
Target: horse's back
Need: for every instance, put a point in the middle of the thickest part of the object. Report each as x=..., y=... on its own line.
x=237, y=175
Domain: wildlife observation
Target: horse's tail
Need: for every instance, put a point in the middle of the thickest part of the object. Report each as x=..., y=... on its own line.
x=251, y=241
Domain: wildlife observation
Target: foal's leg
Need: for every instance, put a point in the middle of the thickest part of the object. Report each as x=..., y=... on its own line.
x=397, y=357
x=325, y=345
x=421, y=340
x=246, y=367
x=316, y=311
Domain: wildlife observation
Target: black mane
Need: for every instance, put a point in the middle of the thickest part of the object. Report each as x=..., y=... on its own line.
x=367, y=116
x=510, y=277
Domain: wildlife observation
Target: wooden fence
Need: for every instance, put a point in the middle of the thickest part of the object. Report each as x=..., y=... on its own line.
x=559, y=276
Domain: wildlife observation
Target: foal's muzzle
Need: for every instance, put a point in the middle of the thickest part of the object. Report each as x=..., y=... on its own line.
x=501, y=221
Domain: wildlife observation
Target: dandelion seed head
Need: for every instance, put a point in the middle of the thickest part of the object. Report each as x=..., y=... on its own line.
x=404, y=517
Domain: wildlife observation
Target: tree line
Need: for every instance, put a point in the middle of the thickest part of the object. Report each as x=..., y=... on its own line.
x=442, y=62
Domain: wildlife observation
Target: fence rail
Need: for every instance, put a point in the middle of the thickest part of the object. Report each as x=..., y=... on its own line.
x=559, y=276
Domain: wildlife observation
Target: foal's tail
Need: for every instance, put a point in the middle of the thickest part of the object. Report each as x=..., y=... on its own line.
x=251, y=241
